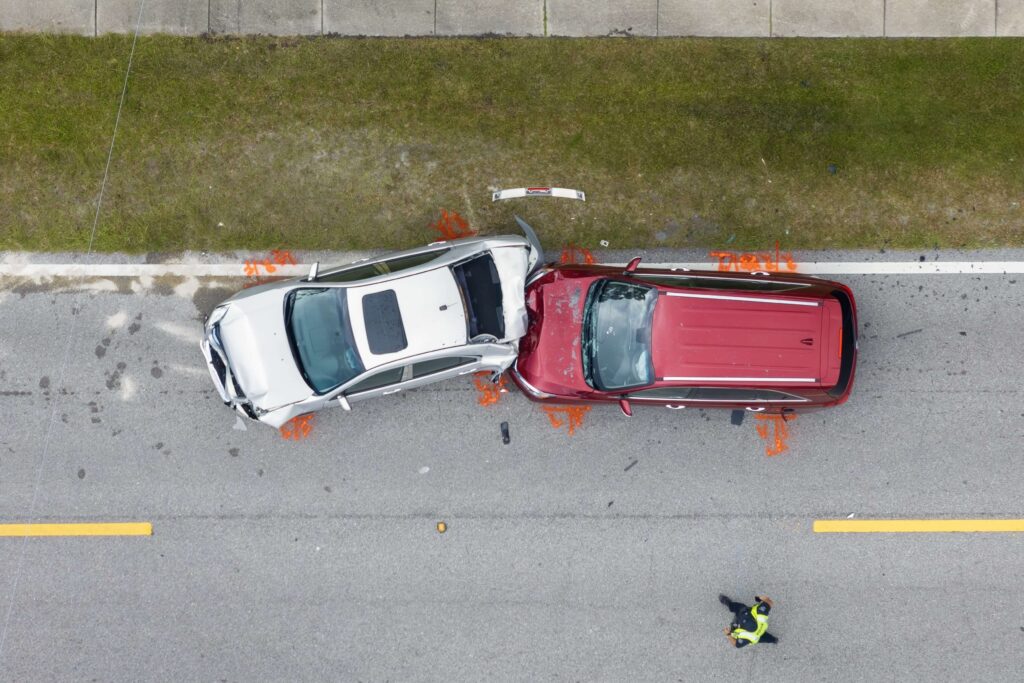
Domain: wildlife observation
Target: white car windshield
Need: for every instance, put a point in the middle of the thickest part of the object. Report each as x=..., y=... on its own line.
x=480, y=286
x=320, y=335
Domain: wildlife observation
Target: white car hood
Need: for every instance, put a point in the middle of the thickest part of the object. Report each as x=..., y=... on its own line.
x=262, y=362
x=512, y=266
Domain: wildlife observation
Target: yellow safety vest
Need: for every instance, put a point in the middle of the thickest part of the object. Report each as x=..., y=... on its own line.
x=762, y=626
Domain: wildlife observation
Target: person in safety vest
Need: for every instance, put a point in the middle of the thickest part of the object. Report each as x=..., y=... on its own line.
x=749, y=624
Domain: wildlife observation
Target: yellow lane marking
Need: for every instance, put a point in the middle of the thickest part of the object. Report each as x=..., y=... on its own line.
x=905, y=526
x=82, y=529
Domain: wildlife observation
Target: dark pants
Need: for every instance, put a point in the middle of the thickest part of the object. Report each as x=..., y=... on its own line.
x=738, y=609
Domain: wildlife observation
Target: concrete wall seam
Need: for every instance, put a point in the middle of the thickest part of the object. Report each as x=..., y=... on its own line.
x=781, y=18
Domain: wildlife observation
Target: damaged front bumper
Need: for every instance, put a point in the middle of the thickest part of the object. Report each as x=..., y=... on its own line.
x=220, y=371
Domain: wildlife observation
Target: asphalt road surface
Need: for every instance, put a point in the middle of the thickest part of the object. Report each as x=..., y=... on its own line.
x=592, y=556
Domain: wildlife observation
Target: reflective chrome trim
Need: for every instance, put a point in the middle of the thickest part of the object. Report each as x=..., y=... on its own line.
x=517, y=192
x=719, y=400
x=739, y=379
x=538, y=274
x=725, y=297
x=530, y=389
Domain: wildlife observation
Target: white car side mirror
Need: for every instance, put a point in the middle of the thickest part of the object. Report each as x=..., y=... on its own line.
x=343, y=402
x=313, y=271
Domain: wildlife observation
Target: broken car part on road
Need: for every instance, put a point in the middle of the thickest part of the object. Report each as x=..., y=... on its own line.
x=518, y=192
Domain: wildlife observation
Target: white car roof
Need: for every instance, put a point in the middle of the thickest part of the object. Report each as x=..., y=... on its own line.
x=432, y=312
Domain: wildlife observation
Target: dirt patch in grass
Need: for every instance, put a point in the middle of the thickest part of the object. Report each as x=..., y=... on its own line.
x=356, y=143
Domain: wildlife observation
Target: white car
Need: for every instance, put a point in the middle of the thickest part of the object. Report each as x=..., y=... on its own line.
x=372, y=328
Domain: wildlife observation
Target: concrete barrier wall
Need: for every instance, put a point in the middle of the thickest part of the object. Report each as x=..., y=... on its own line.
x=764, y=18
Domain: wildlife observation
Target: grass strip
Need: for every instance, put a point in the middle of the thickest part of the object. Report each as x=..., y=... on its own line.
x=329, y=143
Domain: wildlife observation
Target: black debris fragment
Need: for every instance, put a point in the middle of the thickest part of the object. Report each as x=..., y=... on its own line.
x=737, y=417
x=505, y=437
x=630, y=465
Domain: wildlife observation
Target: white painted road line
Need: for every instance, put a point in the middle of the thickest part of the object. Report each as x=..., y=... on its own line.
x=142, y=270
x=97, y=270
x=881, y=267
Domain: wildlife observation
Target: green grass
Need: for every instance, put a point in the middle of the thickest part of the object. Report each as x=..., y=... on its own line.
x=356, y=143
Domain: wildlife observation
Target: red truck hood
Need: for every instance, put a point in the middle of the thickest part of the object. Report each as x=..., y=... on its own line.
x=549, y=355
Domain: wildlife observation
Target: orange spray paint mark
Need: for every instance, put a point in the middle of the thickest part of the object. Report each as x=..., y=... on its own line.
x=297, y=428
x=566, y=415
x=257, y=269
x=490, y=392
x=282, y=257
x=778, y=426
x=575, y=254
x=746, y=262
x=252, y=268
x=453, y=226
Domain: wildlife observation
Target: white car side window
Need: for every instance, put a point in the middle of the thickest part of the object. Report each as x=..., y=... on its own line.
x=377, y=380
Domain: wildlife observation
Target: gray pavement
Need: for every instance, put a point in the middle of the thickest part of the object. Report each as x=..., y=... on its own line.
x=318, y=559
x=760, y=18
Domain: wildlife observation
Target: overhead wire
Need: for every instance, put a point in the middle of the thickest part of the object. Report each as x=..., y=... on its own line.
x=70, y=336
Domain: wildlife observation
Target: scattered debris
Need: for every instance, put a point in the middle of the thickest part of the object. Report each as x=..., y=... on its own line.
x=505, y=438
x=604, y=243
x=906, y=334
x=441, y=527
x=630, y=465
x=737, y=417
x=517, y=192
x=424, y=469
